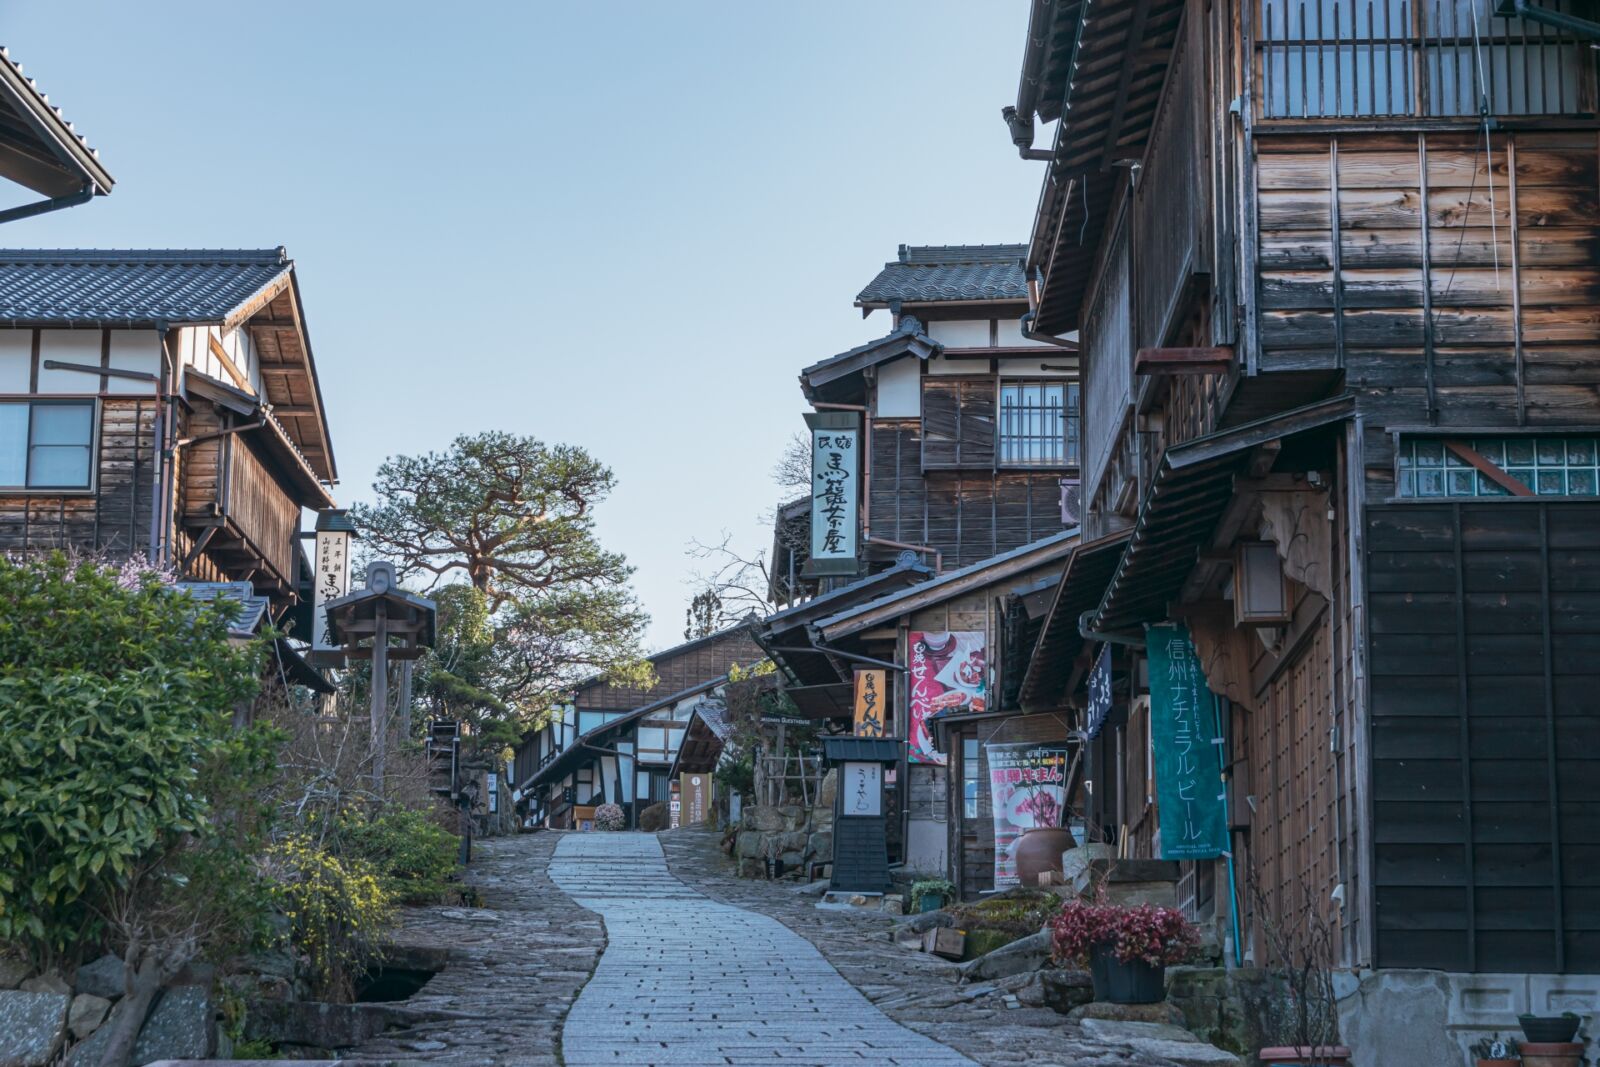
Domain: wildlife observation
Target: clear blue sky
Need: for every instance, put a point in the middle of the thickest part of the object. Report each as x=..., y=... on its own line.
x=624, y=225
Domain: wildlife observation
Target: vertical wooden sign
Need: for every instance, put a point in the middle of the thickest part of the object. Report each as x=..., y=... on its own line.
x=694, y=798
x=871, y=699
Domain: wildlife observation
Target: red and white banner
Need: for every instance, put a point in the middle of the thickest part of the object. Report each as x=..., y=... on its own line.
x=948, y=674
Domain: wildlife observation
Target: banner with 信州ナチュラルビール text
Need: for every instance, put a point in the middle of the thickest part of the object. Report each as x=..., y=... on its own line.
x=1190, y=796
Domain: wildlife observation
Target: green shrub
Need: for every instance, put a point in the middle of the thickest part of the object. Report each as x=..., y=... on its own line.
x=415, y=857
x=125, y=792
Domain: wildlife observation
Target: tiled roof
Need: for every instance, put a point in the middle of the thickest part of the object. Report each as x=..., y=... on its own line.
x=44, y=152
x=252, y=606
x=928, y=273
x=133, y=287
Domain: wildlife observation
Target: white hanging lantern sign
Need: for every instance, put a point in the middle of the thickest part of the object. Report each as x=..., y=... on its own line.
x=331, y=567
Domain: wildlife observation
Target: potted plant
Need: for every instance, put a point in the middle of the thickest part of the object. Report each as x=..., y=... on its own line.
x=1127, y=949
x=1551, y=1040
x=931, y=894
x=1496, y=1051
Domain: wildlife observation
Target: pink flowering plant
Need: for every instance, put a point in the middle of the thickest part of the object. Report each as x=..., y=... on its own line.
x=1158, y=936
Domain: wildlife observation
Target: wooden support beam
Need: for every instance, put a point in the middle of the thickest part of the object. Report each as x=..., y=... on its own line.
x=1152, y=361
x=230, y=366
x=1468, y=454
x=1119, y=107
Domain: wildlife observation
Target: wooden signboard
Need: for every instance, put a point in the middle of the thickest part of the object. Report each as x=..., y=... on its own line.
x=694, y=798
x=871, y=690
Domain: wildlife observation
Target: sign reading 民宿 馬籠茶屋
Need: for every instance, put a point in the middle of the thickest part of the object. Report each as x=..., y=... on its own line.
x=835, y=491
x=1184, y=737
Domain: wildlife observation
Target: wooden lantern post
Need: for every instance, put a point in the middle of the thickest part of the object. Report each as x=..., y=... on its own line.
x=395, y=625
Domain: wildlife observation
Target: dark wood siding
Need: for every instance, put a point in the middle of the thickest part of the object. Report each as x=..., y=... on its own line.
x=675, y=672
x=958, y=422
x=1485, y=732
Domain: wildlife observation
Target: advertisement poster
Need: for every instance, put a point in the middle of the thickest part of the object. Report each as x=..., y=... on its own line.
x=1188, y=753
x=948, y=673
x=1027, y=788
x=870, y=689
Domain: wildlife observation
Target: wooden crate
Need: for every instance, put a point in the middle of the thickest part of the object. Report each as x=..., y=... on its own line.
x=945, y=942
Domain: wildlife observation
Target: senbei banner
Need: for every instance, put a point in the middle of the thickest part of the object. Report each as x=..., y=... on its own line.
x=947, y=673
x=1027, y=789
x=1188, y=751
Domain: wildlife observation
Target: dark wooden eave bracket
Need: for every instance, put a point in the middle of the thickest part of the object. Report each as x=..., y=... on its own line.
x=1166, y=361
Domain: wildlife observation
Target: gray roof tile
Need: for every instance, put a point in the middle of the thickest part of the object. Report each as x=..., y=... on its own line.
x=927, y=273
x=132, y=287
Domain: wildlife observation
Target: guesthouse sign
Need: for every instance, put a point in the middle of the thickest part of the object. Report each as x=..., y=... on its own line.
x=835, y=492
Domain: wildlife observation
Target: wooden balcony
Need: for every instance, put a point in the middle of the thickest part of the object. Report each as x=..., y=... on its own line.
x=240, y=516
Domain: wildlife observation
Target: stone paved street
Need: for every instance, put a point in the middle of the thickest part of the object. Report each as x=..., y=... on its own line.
x=687, y=980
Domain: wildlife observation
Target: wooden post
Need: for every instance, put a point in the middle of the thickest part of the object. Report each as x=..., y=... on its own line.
x=405, y=699
x=380, y=695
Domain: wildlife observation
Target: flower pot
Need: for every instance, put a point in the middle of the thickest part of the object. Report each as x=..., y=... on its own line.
x=1320, y=1056
x=1549, y=1029
x=1116, y=982
x=931, y=902
x=1039, y=849
x=1552, y=1053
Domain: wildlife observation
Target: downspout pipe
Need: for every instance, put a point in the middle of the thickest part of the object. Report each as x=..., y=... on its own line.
x=41, y=207
x=1048, y=338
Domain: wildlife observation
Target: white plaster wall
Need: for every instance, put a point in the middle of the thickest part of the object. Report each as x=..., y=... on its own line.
x=961, y=333
x=900, y=389
x=16, y=360
x=927, y=848
x=1011, y=335
x=69, y=346
x=1032, y=366
x=138, y=350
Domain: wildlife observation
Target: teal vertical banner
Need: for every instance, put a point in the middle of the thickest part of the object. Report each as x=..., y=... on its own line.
x=1188, y=752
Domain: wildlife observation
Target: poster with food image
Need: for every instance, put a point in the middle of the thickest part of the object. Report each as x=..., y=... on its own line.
x=1027, y=788
x=949, y=674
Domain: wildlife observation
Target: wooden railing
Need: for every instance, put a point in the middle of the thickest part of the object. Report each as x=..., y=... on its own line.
x=1169, y=208
x=257, y=505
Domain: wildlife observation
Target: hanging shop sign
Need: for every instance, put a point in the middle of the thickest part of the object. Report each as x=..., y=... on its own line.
x=674, y=805
x=835, y=491
x=332, y=578
x=1187, y=746
x=1099, y=693
x=1027, y=789
x=871, y=688
x=494, y=792
x=948, y=673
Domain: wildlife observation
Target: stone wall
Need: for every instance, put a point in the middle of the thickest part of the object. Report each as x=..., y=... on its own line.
x=792, y=834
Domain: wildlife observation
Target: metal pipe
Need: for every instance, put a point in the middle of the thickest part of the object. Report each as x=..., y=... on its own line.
x=1033, y=335
x=40, y=207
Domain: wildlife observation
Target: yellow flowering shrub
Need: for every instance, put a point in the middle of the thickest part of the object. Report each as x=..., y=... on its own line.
x=338, y=911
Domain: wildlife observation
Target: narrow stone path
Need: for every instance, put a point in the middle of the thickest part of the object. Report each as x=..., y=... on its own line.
x=687, y=980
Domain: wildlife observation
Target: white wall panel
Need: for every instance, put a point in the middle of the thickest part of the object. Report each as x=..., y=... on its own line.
x=69, y=346
x=16, y=360
x=961, y=333
x=900, y=389
x=138, y=350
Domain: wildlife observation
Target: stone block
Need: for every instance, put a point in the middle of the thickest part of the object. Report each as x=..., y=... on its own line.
x=316, y=1024
x=86, y=1014
x=766, y=819
x=12, y=972
x=794, y=817
x=752, y=868
x=1058, y=990
x=32, y=1027
x=104, y=977
x=792, y=861
x=819, y=846
x=46, y=983
x=752, y=844
x=1399, y=1017
x=791, y=841
x=827, y=791
x=179, y=1027
x=1024, y=954
x=1162, y=1012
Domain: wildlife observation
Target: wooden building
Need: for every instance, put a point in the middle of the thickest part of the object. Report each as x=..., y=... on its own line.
x=1333, y=272
x=41, y=151
x=163, y=404
x=616, y=744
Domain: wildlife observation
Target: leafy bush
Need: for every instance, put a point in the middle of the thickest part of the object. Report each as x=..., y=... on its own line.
x=609, y=817
x=337, y=911
x=125, y=793
x=414, y=857
x=1158, y=936
x=931, y=887
x=1017, y=913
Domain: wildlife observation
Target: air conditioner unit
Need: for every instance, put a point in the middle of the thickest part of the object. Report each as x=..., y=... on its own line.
x=1071, y=502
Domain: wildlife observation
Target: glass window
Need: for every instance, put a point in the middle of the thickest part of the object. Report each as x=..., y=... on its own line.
x=1039, y=423
x=46, y=444
x=1549, y=466
x=971, y=767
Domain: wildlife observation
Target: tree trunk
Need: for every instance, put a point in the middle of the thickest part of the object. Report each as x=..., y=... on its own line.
x=144, y=985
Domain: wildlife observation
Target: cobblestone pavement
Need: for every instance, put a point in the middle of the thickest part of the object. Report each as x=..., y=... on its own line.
x=516, y=965
x=687, y=980
x=918, y=991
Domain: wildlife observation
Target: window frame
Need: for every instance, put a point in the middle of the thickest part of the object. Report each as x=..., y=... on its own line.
x=1071, y=444
x=33, y=401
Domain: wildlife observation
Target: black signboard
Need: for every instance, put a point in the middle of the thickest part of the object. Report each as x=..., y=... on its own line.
x=1099, y=692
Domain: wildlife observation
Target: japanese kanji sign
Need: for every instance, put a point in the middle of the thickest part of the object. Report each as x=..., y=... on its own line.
x=946, y=673
x=871, y=690
x=332, y=582
x=1188, y=752
x=835, y=485
x=1027, y=788
x=1099, y=693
